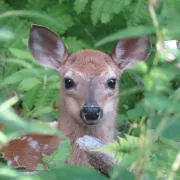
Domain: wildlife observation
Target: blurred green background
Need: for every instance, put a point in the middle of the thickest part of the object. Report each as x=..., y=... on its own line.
x=149, y=94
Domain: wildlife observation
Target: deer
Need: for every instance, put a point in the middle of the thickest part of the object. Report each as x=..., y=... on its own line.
x=88, y=94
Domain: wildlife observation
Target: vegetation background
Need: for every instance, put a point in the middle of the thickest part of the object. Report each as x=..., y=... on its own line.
x=149, y=112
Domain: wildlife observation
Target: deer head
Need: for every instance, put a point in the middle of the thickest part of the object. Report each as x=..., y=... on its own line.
x=89, y=87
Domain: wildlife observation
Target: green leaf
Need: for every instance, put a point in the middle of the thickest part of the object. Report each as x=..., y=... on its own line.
x=39, y=127
x=126, y=33
x=21, y=54
x=6, y=34
x=29, y=97
x=71, y=172
x=171, y=129
x=79, y=5
x=28, y=84
x=30, y=14
x=42, y=110
x=126, y=146
x=123, y=174
x=73, y=44
x=58, y=158
x=96, y=10
x=19, y=62
x=7, y=115
x=105, y=10
x=22, y=75
x=7, y=172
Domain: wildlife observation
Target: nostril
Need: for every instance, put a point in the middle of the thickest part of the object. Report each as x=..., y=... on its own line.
x=98, y=110
x=85, y=110
x=91, y=112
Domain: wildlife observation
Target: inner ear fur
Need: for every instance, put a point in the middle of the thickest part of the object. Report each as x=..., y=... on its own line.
x=47, y=47
x=129, y=50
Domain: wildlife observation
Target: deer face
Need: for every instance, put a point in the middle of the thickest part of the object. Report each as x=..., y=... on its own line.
x=89, y=85
x=89, y=78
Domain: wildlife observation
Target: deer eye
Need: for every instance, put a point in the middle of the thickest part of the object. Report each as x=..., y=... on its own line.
x=111, y=83
x=69, y=83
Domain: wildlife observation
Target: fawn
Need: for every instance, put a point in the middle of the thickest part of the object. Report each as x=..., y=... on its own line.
x=89, y=94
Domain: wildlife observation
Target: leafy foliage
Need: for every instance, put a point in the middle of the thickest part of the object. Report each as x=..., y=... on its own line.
x=148, y=119
x=57, y=158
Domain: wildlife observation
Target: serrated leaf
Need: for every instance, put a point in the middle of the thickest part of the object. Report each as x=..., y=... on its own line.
x=73, y=44
x=46, y=96
x=22, y=54
x=105, y=10
x=79, y=5
x=124, y=147
x=29, y=83
x=58, y=158
x=19, y=62
x=21, y=75
x=41, y=111
x=28, y=100
x=96, y=10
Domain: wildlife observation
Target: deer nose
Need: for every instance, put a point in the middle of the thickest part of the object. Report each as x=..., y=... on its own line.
x=91, y=114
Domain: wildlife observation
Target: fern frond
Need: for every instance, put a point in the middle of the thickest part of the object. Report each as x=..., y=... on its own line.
x=79, y=5
x=138, y=14
x=104, y=10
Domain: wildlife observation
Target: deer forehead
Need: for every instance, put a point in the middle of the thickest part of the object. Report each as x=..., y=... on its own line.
x=90, y=63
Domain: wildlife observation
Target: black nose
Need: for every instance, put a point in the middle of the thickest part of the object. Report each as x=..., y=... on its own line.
x=91, y=113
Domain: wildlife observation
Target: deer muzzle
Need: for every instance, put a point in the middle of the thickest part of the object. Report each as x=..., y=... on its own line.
x=91, y=114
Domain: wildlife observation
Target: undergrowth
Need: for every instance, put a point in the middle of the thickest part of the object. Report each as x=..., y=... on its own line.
x=148, y=118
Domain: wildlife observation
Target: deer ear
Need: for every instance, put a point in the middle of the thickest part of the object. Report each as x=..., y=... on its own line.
x=130, y=50
x=46, y=47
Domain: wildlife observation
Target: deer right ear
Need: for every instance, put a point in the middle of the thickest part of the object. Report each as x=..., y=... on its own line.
x=130, y=50
x=46, y=47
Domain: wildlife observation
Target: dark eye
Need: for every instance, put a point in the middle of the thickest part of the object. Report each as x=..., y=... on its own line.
x=69, y=83
x=111, y=83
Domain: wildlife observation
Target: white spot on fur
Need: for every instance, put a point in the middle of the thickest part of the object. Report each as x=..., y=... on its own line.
x=9, y=162
x=17, y=138
x=14, y=138
x=111, y=73
x=23, y=138
x=71, y=73
x=33, y=144
x=68, y=74
x=16, y=158
x=46, y=146
x=53, y=124
x=29, y=139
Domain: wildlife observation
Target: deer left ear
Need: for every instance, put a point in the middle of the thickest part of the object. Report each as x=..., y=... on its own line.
x=130, y=50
